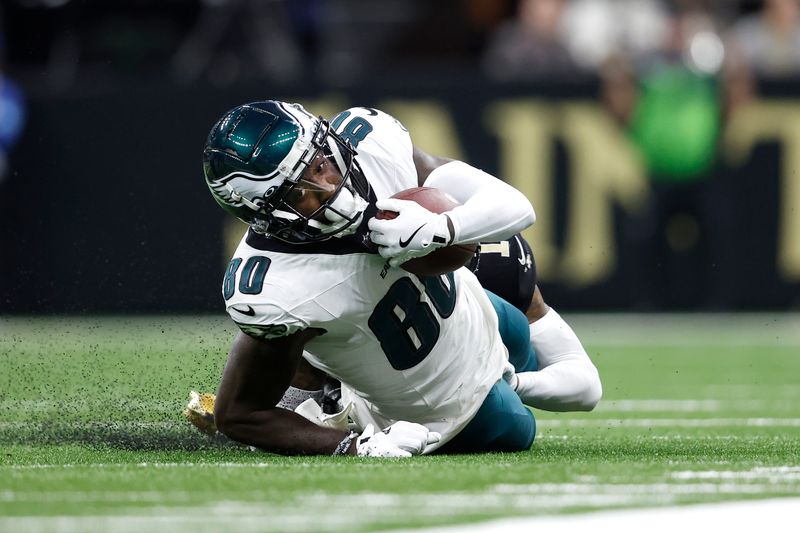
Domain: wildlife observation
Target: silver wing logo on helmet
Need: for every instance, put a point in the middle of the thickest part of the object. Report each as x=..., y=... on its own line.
x=244, y=189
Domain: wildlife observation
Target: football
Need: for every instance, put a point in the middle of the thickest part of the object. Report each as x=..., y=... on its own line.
x=442, y=260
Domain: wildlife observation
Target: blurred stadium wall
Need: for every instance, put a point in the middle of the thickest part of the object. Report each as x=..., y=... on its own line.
x=107, y=210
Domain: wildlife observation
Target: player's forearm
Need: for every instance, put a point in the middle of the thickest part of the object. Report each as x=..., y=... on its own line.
x=564, y=386
x=491, y=209
x=567, y=380
x=281, y=431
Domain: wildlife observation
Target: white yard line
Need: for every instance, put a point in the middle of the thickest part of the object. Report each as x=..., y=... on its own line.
x=343, y=513
x=775, y=516
x=194, y=512
x=541, y=497
x=669, y=422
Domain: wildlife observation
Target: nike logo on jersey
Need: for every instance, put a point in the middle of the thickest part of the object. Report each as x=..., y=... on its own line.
x=404, y=243
x=249, y=311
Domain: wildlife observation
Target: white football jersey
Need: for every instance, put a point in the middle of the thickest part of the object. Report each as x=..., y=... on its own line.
x=425, y=350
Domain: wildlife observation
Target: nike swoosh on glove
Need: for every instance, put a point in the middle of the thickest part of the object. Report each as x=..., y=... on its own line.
x=401, y=439
x=413, y=233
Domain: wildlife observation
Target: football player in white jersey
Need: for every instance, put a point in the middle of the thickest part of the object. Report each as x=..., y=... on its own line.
x=422, y=357
x=564, y=378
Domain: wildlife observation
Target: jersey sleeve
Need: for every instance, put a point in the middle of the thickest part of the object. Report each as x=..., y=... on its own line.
x=259, y=304
x=383, y=144
x=288, y=299
x=264, y=321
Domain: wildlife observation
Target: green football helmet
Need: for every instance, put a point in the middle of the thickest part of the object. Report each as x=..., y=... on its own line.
x=254, y=157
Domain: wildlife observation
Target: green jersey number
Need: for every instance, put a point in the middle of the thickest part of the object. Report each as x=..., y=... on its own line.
x=405, y=325
x=355, y=131
x=252, y=279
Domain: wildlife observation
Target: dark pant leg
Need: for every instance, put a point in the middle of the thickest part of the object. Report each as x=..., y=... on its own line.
x=502, y=424
x=516, y=334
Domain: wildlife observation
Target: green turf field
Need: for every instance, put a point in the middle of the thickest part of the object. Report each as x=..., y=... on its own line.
x=696, y=409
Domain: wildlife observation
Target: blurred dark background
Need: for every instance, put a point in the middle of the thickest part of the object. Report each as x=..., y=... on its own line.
x=658, y=140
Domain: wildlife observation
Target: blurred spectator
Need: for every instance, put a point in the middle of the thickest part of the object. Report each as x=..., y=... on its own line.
x=768, y=42
x=242, y=39
x=561, y=38
x=12, y=112
x=531, y=46
x=672, y=103
x=287, y=41
x=358, y=36
x=450, y=33
x=597, y=30
x=484, y=16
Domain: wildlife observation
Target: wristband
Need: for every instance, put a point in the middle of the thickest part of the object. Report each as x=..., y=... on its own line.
x=343, y=446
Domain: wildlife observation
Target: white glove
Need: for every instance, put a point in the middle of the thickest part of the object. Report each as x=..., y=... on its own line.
x=401, y=439
x=413, y=233
x=510, y=375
